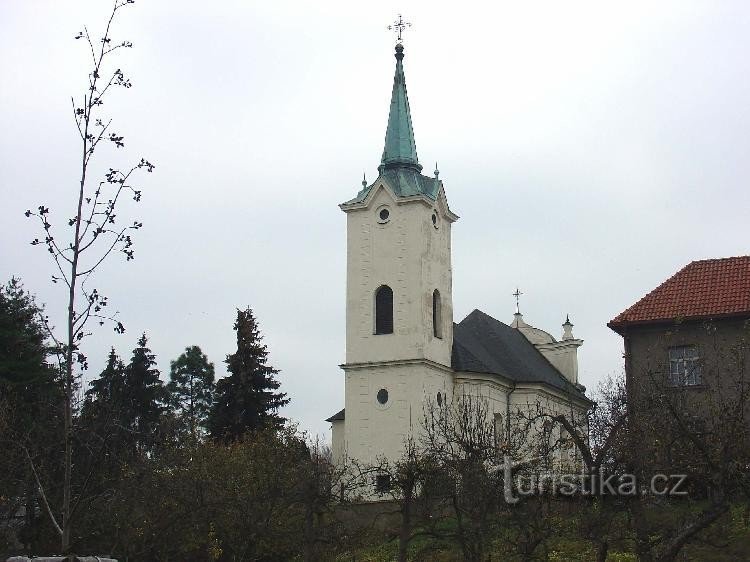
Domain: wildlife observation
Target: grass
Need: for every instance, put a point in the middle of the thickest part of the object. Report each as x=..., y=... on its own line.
x=727, y=540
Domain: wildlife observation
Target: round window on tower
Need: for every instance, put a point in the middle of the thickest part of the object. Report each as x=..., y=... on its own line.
x=435, y=220
x=382, y=396
x=383, y=214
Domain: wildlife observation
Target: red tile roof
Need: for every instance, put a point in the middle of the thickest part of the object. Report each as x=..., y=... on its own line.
x=701, y=289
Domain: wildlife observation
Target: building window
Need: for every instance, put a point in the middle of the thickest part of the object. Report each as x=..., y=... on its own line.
x=382, y=483
x=437, y=314
x=684, y=366
x=384, y=310
x=382, y=396
x=498, y=430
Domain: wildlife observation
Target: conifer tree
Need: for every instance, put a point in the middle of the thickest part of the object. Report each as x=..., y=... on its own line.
x=110, y=387
x=30, y=406
x=23, y=349
x=191, y=388
x=102, y=415
x=248, y=399
x=146, y=397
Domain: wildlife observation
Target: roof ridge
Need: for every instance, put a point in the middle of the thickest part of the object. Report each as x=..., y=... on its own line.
x=718, y=259
x=707, y=288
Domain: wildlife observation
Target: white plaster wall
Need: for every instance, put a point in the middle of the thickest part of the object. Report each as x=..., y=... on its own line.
x=564, y=356
x=338, y=441
x=374, y=430
x=413, y=258
x=527, y=397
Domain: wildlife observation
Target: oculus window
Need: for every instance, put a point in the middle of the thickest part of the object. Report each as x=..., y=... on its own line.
x=382, y=396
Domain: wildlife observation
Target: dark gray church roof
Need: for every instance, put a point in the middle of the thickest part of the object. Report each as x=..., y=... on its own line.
x=482, y=344
x=338, y=416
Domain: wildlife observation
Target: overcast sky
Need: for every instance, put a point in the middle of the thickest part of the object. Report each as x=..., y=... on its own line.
x=591, y=149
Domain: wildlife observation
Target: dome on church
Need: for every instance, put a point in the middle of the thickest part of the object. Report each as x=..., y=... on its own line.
x=534, y=335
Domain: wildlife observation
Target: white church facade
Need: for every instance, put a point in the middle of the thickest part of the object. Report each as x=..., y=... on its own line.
x=402, y=346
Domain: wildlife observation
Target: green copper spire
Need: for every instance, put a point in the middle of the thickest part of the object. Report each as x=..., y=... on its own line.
x=400, y=149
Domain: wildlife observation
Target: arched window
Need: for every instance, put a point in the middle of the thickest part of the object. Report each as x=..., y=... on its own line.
x=437, y=314
x=498, y=430
x=384, y=310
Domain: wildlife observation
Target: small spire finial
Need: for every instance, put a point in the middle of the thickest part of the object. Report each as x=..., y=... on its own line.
x=567, y=329
x=364, y=179
x=398, y=28
x=518, y=294
x=437, y=172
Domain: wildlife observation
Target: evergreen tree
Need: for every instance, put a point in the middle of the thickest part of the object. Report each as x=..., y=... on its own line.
x=30, y=408
x=103, y=415
x=110, y=387
x=146, y=397
x=191, y=388
x=23, y=347
x=247, y=399
x=125, y=403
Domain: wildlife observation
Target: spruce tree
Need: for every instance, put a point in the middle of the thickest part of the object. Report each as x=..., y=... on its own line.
x=191, y=389
x=110, y=387
x=248, y=399
x=103, y=414
x=30, y=407
x=146, y=397
x=104, y=443
x=23, y=349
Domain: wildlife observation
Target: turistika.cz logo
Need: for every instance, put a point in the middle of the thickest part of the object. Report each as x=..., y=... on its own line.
x=587, y=484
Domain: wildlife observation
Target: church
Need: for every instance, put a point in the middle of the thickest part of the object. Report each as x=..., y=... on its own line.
x=403, y=348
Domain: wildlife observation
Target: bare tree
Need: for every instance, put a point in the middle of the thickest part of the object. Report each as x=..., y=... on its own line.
x=702, y=432
x=95, y=232
x=461, y=436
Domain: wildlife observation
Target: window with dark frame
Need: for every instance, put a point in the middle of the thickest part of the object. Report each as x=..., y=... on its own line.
x=437, y=314
x=382, y=483
x=382, y=396
x=384, y=310
x=684, y=366
x=498, y=430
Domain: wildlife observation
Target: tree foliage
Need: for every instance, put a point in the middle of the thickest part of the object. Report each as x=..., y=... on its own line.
x=191, y=389
x=30, y=396
x=248, y=399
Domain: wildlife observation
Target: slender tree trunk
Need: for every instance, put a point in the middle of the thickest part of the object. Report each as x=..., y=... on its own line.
x=309, y=555
x=69, y=375
x=405, y=530
x=642, y=542
x=602, y=551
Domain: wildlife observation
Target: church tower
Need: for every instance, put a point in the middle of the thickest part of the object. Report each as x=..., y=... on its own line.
x=399, y=306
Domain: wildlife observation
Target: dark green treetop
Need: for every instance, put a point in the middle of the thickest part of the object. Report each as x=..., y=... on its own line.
x=247, y=399
x=146, y=395
x=191, y=388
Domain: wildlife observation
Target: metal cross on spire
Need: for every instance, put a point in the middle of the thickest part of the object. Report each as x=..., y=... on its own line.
x=398, y=27
x=517, y=294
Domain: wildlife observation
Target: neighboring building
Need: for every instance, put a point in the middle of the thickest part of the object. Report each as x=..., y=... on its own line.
x=402, y=348
x=687, y=345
